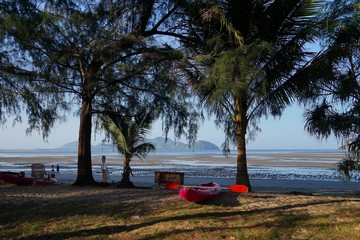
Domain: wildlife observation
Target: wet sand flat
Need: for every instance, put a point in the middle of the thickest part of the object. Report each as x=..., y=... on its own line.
x=321, y=160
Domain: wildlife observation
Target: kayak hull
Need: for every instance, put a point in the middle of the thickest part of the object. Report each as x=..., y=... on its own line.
x=14, y=178
x=201, y=192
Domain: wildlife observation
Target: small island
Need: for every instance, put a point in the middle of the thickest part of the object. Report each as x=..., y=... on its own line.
x=160, y=142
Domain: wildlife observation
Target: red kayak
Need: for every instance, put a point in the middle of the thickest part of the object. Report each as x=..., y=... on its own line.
x=201, y=192
x=14, y=178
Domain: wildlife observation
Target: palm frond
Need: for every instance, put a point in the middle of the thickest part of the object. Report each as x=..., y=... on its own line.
x=142, y=150
x=129, y=133
x=117, y=135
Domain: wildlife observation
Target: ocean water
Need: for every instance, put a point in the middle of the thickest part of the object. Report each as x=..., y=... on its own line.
x=110, y=152
x=191, y=168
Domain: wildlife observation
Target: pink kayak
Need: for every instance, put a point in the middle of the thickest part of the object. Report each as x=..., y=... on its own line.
x=201, y=192
x=14, y=178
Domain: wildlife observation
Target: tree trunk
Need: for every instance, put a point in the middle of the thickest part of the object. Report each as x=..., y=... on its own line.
x=125, y=180
x=84, y=173
x=242, y=176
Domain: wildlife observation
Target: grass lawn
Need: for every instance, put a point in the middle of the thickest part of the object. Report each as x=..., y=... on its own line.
x=66, y=212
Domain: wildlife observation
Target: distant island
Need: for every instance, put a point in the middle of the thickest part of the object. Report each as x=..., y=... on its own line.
x=159, y=142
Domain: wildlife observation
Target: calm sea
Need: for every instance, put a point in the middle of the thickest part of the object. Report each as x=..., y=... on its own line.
x=108, y=152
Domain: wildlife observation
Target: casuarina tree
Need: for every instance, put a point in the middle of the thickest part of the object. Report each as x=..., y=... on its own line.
x=335, y=108
x=248, y=52
x=82, y=50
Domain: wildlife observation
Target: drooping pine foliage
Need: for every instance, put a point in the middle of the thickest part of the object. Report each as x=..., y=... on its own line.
x=337, y=71
x=250, y=51
x=94, y=54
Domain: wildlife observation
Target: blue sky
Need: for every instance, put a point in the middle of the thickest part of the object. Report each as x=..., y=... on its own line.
x=284, y=133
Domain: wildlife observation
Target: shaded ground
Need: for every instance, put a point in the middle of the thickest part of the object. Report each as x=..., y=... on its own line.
x=67, y=212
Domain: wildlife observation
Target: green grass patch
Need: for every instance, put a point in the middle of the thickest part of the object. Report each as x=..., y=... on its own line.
x=157, y=214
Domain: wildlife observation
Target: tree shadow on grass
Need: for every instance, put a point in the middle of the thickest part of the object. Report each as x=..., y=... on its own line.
x=282, y=227
x=106, y=230
x=225, y=199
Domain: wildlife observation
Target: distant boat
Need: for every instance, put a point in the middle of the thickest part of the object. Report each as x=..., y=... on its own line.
x=14, y=178
x=201, y=192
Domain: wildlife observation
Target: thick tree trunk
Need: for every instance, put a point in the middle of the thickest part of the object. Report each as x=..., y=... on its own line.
x=242, y=176
x=84, y=173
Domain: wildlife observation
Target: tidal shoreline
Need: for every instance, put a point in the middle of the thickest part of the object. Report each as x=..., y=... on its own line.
x=322, y=159
x=270, y=171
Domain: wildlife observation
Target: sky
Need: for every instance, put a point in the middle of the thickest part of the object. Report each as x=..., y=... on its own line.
x=284, y=133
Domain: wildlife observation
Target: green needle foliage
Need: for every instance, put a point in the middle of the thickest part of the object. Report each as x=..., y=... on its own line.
x=89, y=54
x=250, y=52
x=335, y=77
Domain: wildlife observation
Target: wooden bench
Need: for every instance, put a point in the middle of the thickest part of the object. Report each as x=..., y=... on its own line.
x=164, y=177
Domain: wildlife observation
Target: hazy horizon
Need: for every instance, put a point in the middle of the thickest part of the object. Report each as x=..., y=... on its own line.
x=284, y=133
